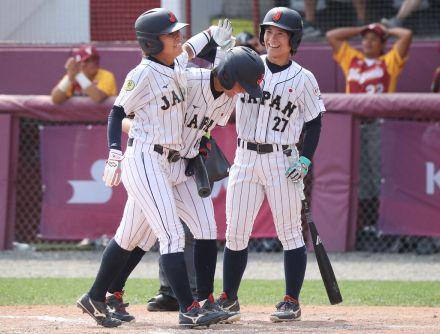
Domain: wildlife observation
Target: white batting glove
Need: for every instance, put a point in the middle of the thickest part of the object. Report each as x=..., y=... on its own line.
x=112, y=170
x=298, y=170
x=222, y=34
x=229, y=44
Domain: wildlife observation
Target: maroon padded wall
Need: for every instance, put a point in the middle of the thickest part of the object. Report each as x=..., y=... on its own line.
x=35, y=70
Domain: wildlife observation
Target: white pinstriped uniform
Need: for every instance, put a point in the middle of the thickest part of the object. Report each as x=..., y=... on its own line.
x=156, y=95
x=290, y=98
x=203, y=113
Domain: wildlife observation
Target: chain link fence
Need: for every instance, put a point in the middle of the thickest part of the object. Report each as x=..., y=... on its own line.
x=369, y=238
x=423, y=20
x=30, y=188
x=30, y=193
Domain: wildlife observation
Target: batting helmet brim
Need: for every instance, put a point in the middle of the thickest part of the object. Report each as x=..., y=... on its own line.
x=252, y=90
x=174, y=27
x=279, y=25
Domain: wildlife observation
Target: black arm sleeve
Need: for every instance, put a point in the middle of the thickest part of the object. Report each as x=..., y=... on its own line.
x=114, y=128
x=209, y=52
x=311, y=137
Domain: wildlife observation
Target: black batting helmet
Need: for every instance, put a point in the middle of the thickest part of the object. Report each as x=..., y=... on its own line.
x=243, y=65
x=286, y=19
x=153, y=23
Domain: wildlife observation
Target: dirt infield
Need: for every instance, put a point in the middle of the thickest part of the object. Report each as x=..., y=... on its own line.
x=255, y=319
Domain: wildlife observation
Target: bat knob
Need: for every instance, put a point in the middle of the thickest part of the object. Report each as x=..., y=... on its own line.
x=204, y=192
x=288, y=152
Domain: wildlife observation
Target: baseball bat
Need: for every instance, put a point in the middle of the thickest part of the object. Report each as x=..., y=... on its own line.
x=201, y=177
x=325, y=267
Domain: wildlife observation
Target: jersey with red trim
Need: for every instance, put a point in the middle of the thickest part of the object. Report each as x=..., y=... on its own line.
x=364, y=75
x=104, y=80
x=435, y=87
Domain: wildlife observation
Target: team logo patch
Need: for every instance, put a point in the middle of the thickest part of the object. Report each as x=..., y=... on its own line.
x=129, y=85
x=276, y=17
x=172, y=17
x=260, y=79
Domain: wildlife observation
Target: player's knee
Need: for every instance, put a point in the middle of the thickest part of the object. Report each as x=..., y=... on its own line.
x=236, y=243
x=292, y=242
x=146, y=246
x=172, y=244
x=209, y=233
x=124, y=245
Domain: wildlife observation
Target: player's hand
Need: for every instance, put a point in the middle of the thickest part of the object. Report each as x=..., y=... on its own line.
x=298, y=170
x=112, y=170
x=72, y=68
x=222, y=34
x=229, y=44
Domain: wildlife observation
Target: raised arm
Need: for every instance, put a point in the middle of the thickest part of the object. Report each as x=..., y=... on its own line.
x=337, y=36
x=59, y=92
x=214, y=36
x=403, y=42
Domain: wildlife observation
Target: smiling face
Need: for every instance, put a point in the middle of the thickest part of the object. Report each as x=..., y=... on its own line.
x=172, y=47
x=277, y=42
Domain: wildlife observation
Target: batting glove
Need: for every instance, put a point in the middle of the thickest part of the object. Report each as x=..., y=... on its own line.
x=299, y=169
x=112, y=170
x=222, y=34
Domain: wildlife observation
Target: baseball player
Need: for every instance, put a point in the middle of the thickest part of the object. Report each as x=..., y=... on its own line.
x=155, y=92
x=211, y=100
x=268, y=128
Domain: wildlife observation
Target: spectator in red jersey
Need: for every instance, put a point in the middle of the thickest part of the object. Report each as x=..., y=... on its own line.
x=84, y=77
x=435, y=87
x=371, y=70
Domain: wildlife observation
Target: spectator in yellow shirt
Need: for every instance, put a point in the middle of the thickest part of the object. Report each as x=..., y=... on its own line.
x=370, y=70
x=84, y=77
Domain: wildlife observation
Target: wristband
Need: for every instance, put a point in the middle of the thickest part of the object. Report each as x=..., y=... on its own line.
x=115, y=155
x=220, y=54
x=64, y=84
x=83, y=81
x=303, y=160
x=198, y=42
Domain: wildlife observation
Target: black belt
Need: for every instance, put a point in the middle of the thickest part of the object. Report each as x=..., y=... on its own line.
x=173, y=155
x=261, y=148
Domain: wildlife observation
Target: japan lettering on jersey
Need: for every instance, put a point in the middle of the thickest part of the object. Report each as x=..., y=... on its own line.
x=156, y=95
x=368, y=78
x=203, y=112
x=290, y=98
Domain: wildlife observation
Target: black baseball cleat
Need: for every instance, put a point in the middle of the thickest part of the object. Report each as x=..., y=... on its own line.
x=287, y=310
x=162, y=303
x=195, y=316
x=117, y=307
x=227, y=304
x=212, y=305
x=98, y=311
